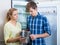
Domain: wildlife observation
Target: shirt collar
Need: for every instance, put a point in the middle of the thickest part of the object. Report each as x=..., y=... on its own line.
x=36, y=15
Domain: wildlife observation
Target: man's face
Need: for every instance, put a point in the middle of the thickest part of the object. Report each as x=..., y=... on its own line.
x=33, y=11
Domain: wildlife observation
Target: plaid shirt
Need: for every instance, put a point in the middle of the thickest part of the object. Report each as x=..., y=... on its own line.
x=38, y=25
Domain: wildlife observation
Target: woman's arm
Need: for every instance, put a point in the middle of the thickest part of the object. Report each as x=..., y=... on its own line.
x=12, y=40
x=7, y=34
x=17, y=39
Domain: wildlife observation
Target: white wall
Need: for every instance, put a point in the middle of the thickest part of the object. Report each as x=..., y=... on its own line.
x=58, y=24
x=4, y=6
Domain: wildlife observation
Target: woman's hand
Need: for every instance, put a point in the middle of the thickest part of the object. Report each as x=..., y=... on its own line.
x=22, y=40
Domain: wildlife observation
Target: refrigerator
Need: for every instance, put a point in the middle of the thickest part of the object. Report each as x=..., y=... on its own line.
x=49, y=9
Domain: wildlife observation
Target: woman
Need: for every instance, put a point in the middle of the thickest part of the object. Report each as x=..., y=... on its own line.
x=12, y=28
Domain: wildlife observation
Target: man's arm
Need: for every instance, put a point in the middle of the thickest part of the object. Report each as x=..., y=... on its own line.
x=39, y=36
x=42, y=35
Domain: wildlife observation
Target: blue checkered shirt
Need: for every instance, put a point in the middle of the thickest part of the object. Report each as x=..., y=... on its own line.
x=38, y=25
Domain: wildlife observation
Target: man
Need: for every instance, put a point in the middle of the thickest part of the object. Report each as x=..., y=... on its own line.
x=37, y=24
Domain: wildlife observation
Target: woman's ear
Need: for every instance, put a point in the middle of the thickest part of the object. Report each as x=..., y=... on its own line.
x=10, y=16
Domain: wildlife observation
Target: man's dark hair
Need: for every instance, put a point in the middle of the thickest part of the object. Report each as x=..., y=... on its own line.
x=31, y=5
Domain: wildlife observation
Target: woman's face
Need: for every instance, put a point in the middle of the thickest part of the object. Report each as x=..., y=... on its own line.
x=15, y=15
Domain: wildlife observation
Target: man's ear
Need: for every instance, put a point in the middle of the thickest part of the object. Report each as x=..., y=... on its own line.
x=36, y=9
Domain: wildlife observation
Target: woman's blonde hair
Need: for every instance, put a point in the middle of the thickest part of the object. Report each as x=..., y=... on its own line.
x=9, y=14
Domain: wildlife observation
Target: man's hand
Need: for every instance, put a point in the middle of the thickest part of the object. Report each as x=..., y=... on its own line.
x=33, y=37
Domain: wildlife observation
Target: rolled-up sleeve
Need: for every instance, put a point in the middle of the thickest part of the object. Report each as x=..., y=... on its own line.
x=6, y=33
x=46, y=26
